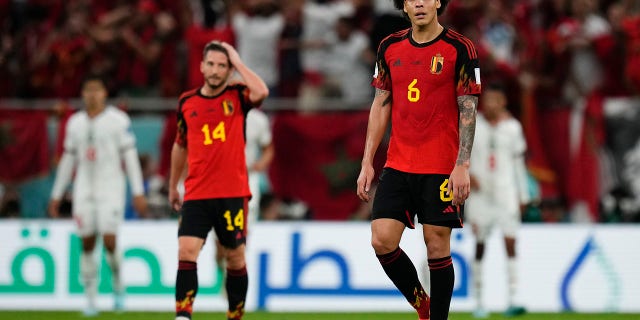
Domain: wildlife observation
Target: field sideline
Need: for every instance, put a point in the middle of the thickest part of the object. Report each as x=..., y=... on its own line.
x=53, y=315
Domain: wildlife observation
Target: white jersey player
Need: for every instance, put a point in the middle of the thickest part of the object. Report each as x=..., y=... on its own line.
x=499, y=186
x=98, y=141
x=259, y=154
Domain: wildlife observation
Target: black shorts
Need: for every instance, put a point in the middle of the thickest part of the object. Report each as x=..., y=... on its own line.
x=402, y=196
x=227, y=216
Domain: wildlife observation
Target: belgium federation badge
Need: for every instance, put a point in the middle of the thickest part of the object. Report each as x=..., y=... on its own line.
x=437, y=64
x=228, y=107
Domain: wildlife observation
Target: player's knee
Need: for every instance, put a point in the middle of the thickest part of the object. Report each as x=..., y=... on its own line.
x=438, y=248
x=188, y=253
x=235, y=258
x=380, y=246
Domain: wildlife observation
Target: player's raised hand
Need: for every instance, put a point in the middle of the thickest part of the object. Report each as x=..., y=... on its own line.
x=234, y=56
x=364, y=182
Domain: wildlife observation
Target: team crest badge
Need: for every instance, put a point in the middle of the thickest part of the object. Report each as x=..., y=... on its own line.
x=227, y=106
x=437, y=64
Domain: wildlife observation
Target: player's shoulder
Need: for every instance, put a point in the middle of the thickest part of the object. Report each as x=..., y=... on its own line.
x=188, y=94
x=456, y=36
x=512, y=124
x=116, y=114
x=459, y=40
x=394, y=37
x=236, y=86
x=77, y=118
x=256, y=115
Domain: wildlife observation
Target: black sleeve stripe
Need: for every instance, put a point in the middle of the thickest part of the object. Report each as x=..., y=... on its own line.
x=471, y=51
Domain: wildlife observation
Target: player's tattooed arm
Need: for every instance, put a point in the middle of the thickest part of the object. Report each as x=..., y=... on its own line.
x=386, y=95
x=468, y=108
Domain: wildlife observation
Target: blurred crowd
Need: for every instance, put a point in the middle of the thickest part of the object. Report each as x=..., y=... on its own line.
x=572, y=68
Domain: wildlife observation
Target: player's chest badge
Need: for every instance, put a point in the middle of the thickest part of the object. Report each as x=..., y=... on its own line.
x=437, y=64
x=227, y=107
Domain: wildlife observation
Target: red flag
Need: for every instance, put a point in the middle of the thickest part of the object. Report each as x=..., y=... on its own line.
x=537, y=161
x=317, y=160
x=24, y=145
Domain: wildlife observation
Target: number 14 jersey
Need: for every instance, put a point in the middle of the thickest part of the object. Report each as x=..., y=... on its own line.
x=212, y=129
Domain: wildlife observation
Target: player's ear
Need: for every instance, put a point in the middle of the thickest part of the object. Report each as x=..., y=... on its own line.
x=438, y=4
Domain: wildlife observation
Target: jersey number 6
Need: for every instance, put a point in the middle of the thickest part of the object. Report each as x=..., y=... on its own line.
x=413, y=93
x=443, y=192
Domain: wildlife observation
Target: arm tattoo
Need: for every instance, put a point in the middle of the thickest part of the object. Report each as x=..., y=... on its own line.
x=387, y=101
x=467, y=106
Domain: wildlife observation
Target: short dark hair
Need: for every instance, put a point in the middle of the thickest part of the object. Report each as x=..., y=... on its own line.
x=496, y=85
x=399, y=4
x=94, y=77
x=214, y=46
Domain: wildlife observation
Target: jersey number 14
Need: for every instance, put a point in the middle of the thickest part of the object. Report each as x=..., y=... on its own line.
x=217, y=133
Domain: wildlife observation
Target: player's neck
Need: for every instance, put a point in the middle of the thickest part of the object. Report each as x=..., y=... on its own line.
x=209, y=91
x=498, y=117
x=93, y=112
x=426, y=33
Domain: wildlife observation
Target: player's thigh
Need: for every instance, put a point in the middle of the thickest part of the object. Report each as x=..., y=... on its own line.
x=392, y=198
x=85, y=217
x=509, y=221
x=481, y=214
x=230, y=221
x=432, y=204
x=197, y=218
x=254, y=203
x=110, y=216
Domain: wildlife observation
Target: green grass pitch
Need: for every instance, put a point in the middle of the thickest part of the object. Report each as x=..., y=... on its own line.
x=52, y=315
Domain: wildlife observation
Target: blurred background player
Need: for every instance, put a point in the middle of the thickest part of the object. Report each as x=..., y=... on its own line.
x=499, y=187
x=98, y=140
x=210, y=143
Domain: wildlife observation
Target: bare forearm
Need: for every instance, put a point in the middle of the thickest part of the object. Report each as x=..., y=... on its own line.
x=178, y=162
x=265, y=159
x=257, y=87
x=468, y=107
x=378, y=120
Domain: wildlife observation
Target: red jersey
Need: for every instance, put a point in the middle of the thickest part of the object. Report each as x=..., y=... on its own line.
x=425, y=81
x=212, y=131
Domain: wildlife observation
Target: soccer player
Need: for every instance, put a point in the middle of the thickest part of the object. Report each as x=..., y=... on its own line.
x=259, y=152
x=427, y=84
x=98, y=140
x=210, y=142
x=499, y=184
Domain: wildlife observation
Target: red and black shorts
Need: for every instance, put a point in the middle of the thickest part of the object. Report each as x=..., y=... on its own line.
x=227, y=216
x=402, y=196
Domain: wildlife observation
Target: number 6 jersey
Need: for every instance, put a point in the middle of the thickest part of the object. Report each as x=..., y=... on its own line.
x=212, y=130
x=425, y=80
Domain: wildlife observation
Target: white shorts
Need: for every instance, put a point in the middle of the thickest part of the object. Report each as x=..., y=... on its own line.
x=483, y=213
x=97, y=217
x=254, y=203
